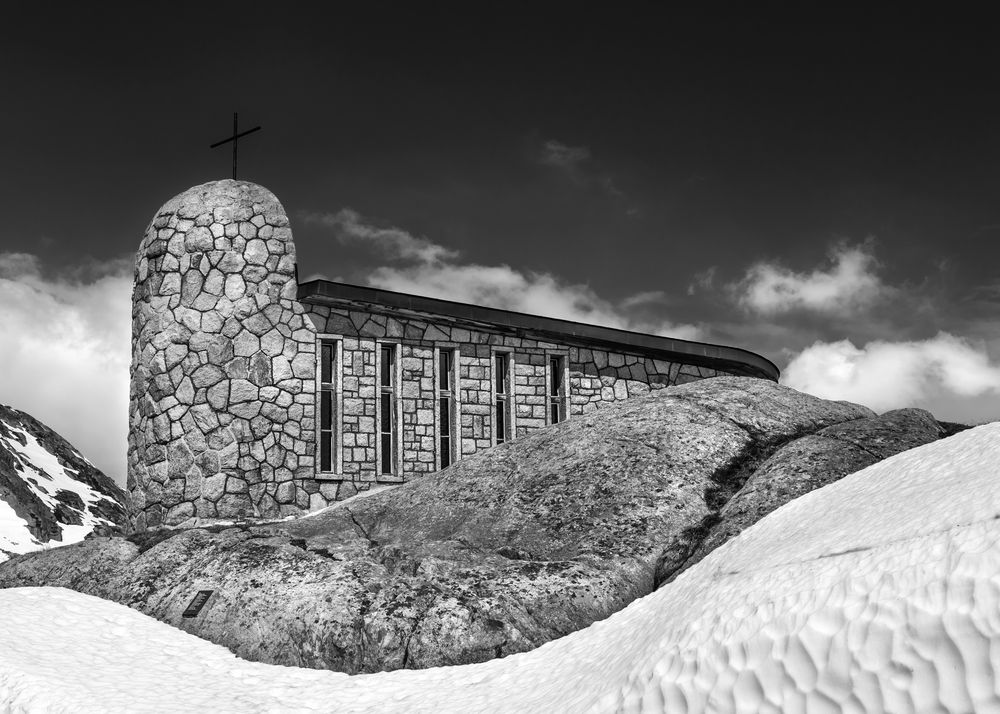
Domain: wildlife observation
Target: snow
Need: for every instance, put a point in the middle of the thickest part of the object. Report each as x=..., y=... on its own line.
x=45, y=476
x=880, y=592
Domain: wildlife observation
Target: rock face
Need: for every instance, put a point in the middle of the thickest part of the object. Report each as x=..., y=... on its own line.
x=801, y=466
x=49, y=493
x=219, y=425
x=499, y=553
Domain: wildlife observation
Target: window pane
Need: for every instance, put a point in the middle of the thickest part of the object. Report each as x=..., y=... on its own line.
x=556, y=375
x=555, y=412
x=326, y=409
x=444, y=371
x=386, y=419
x=445, y=416
x=387, y=355
x=326, y=363
x=500, y=419
x=500, y=372
x=324, y=452
x=445, y=452
x=387, y=453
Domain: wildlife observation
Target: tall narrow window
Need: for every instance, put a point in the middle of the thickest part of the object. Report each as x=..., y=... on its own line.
x=557, y=393
x=387, y=395
x=501, y=376
x=446, y=378
x=327, y=406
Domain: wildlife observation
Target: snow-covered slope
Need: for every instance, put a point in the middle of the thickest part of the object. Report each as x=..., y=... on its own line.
x=880, y=592
x=50, y=494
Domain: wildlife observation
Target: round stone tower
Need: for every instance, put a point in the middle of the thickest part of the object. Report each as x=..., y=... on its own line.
x=222, y=395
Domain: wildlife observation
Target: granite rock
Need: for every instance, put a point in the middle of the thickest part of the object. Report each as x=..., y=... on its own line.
x=800, y=466
x=498, y=554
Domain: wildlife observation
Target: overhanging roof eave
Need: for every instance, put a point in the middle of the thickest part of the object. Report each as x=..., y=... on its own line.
x=325, y=292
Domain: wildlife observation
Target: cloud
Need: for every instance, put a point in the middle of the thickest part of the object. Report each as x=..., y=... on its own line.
x=66, y=357
x=848, y=284
x=577, y=162
x=702, y=281
x=423, y=267
x=946, y=374
x=555, y=153
x=504, y=287
x=647, y=297
x=394, y=243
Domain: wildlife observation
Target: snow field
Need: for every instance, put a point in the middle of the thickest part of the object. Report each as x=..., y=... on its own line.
x=880, y=592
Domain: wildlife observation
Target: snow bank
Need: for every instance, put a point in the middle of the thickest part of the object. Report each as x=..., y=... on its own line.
x=880, y=592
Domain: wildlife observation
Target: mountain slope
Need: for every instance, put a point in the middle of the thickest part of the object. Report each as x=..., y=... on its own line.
x=49, y=493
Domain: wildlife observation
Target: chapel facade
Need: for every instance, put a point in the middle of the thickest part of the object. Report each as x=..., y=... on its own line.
x=254, y=396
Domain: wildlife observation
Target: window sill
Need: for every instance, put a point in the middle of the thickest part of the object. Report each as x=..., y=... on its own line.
x=328, y=476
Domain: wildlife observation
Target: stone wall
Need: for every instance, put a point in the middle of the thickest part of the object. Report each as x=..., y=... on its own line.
x=475, y=386
x=595, y=377
x=418, y=400
x=358, y=399
x=530, y=388
x=222, y=397
x=599, y=377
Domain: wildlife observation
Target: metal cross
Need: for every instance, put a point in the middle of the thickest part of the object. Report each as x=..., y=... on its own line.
x=234, y=138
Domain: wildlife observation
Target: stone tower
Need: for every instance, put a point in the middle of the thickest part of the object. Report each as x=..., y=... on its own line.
x=222, y=394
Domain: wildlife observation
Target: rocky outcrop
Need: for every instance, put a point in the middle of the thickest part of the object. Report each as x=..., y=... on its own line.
x=498, y=554
x=801, y=466
x=47, y=485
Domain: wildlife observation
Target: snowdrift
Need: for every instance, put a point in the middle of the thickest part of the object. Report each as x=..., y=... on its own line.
x=880, y=592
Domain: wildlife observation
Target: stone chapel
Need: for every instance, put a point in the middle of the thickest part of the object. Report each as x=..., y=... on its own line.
x=254, y=396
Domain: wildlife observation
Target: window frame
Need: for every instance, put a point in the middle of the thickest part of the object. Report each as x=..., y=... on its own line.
x=337, y=407
x=561, y=399
x=395, y=418
x=510, y=428
x=451, y=393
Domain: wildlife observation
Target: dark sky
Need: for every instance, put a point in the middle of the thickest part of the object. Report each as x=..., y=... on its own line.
x=757, y=135
x=638, y=158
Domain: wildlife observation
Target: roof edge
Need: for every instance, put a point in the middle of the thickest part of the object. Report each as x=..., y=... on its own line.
x=321, y=292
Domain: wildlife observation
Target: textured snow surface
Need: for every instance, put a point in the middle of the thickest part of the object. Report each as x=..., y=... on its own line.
x=880, y=592
x=45, y=476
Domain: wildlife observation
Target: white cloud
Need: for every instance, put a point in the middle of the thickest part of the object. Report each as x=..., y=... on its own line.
x=577, y=163
x=425, y=268
x=504, y=287
x=66, y=352
x=555, y=153
x=702, y=281
x=646, y=297
x=945, y=374
x=395, y=243
x=848, y=284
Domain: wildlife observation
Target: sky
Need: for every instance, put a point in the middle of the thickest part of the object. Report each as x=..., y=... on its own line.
x=820, y=189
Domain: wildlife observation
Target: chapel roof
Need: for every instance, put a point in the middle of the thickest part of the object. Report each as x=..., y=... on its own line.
x=733, y=360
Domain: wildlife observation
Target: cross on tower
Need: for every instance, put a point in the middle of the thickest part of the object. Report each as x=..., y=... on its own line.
x=234, y=138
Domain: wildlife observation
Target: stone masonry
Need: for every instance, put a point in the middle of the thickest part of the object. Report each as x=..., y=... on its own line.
x=222, y=395
x=224, y=409
x=595, y=377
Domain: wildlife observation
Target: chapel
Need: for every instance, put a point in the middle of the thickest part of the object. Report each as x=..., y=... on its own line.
x=255, y=396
